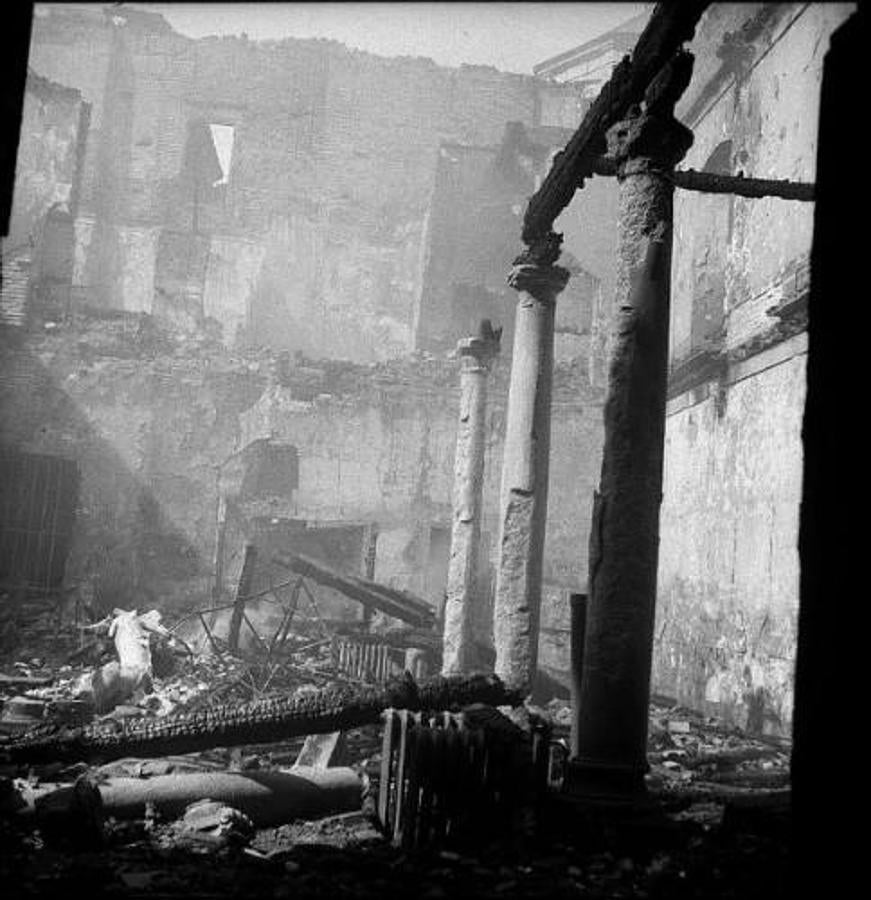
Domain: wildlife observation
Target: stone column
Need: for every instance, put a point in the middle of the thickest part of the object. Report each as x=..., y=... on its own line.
x=476, y=354
x=611, y=732
x=523, y=504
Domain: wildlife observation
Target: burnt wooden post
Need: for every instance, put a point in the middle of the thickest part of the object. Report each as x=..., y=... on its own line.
x=220, y=538
x=523, y=504
x=624, y=539
x=476, y=354
x=242, y=591
x=578, y=620
x=370, y=543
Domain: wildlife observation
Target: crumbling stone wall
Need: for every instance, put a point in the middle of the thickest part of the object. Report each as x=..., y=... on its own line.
x=152, y=416
x=333, y=165
x=729, y=567
x=54, y=127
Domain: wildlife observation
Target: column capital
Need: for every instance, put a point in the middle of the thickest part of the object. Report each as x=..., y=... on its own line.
x=648, y=140
x=650, y=137
x=544, y=282
x=479, y=350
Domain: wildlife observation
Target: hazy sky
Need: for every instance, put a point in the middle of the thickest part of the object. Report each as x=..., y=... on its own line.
x=512, y=37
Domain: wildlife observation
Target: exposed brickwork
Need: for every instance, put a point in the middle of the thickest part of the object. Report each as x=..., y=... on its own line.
x=333, y=166
x=53, y=132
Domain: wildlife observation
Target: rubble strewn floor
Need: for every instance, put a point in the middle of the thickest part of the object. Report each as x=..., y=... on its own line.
x=718, y=828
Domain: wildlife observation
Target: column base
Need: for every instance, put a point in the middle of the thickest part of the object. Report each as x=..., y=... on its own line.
x=605, y=783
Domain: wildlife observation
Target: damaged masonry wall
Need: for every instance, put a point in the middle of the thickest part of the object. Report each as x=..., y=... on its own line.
x=54, y=124
x=149, y=417
x=729, y=566
x=312, y=240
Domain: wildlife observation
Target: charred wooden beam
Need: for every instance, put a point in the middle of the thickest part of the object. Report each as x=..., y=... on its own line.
x=246, y=579
x=739, y=185
x=335, y=708
x=670, y=26
x=398, y=604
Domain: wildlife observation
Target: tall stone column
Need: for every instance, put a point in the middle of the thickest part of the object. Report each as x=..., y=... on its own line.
x=523, y=503
x=476, y=354
x=624, y=540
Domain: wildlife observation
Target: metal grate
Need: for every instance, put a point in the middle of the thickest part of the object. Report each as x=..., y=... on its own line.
x=366, y=657
x=38, y=497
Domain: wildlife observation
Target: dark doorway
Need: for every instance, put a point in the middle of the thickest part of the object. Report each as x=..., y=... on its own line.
x=38, y=496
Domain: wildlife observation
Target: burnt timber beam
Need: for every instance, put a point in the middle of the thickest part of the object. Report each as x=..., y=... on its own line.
x=242, y=591
x=398, y=604
x=739, y=185
x=670, y=26
x=334, y=708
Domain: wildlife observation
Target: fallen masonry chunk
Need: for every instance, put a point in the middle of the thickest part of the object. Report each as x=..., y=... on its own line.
x=214, y=824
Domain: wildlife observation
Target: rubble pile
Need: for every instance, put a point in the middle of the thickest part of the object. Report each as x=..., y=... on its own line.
x=691, y=754
x=132, y=841
x=192, y=682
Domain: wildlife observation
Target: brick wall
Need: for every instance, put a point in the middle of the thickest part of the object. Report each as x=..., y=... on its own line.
x=333, y=167
x=54, y=127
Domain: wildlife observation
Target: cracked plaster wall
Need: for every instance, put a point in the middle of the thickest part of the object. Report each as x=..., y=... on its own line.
x=729, y=567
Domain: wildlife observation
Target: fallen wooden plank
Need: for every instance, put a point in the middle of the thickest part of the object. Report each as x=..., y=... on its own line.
x=398, y=604
x=243, y=589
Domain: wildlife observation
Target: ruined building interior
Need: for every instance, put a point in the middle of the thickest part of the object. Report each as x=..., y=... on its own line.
x=407, y=474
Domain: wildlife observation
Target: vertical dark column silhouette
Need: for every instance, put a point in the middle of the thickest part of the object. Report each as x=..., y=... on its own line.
x=624, y=538
x=826, y=836
x=17, y=21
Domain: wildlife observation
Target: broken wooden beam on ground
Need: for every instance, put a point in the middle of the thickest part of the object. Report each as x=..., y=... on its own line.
x=334, y=708
x=390, y=601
